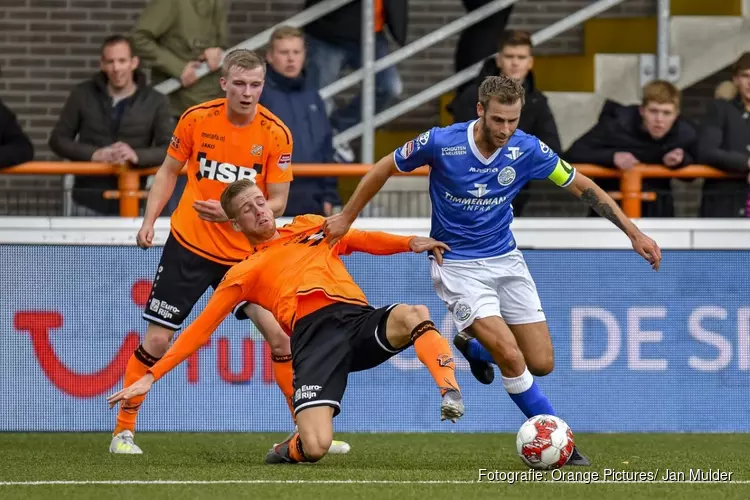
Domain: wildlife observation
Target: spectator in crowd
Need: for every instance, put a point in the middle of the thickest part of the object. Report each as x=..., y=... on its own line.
x=15, y=146
x=289, y=94
x=724, y=143
x=477, y=42
x=515, y=60
x=173, y=38
x=115, y=118
x=652, y=133
x=335, y=41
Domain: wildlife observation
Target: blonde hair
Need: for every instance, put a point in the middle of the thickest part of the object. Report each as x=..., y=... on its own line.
x=233, y=191
x=502, y=89
x=243, y=59
x=284, y=32
x=661, y=92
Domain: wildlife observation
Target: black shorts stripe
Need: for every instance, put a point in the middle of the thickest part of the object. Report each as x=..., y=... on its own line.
x=282, y=127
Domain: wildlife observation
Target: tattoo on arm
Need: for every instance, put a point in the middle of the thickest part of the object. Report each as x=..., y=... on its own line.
x=601, y=207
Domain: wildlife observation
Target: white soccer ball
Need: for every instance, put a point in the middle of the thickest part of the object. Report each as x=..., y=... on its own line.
x=545, y=442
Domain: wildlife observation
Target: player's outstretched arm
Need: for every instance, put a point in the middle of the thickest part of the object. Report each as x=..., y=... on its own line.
x=591, y=194
x=338, y=224
x=162, y=189
x=193, y=338
x=381, y=243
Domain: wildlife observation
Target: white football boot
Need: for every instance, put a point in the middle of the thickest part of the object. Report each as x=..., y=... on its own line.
x=123, y=444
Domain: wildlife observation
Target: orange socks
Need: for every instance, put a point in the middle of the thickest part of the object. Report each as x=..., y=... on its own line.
x=137, y=366
x=435, y=353
x=295, y=449
x=284, y=375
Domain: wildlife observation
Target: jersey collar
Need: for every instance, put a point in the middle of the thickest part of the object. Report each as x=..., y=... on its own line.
x=475, y=150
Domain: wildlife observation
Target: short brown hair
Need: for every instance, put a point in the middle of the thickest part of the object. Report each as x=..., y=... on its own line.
x=661, y=92
x=231, y=192
x=514, y=38
x=284, y=32
x=502, y=89
x=243, y=59
x=742, y=64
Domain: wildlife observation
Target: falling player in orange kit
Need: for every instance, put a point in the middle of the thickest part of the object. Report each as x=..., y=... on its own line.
x=221, y=141
x=334, y=331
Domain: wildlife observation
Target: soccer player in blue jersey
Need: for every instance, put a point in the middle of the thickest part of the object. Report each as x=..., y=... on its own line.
x=476, y=168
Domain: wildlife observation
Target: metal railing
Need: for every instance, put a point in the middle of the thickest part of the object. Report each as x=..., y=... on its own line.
x=129, y=192
x=467, y=74
x=255, y=42
x=662, y=39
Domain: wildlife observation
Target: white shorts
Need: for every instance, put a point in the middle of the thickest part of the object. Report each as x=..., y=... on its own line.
x=498, y=286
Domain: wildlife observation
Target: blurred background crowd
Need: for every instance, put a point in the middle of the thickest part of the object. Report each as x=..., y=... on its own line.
x=77, y=84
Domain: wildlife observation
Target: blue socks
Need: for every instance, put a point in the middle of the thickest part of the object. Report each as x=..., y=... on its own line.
x=478, y=352
x=522, y=390
x=527, y=395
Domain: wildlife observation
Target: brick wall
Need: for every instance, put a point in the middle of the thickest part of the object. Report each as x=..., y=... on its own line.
x=46, y=46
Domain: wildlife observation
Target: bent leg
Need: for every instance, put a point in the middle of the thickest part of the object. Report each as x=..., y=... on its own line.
x=536, y=345
x=499, y=340
x=155, y=345
x=281, y=351
x=412, y=325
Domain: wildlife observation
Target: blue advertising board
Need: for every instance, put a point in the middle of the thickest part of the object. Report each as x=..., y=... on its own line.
x=635, y=350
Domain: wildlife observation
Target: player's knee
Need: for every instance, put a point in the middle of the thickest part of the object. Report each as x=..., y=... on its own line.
x=316, y=447
x=278, y=343
x=414, y=315
x=541, y=365
x=156, y=341
x=507, y=355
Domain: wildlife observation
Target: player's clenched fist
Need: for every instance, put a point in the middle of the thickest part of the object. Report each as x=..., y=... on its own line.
x=420, y=244
x=145, y=236
x=336, y=226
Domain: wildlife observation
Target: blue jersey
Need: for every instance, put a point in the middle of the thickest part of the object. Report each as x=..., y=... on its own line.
x=471, y=195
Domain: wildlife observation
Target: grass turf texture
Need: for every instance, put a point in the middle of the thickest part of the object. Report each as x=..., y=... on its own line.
x=451, y=460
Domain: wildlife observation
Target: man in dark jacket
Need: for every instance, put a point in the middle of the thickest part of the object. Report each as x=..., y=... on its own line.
x=113, y=118
x=15, y=146
x=652, y=133
x=515, y=60
x=289, y=95
x=724, y=143
x=478, y=41
x=335, y=41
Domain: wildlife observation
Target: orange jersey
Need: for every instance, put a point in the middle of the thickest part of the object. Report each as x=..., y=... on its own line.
x=291, y=276
x=218, y=153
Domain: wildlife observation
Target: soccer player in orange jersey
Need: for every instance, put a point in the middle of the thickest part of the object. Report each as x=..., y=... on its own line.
x=220, y=141
x=334, y=331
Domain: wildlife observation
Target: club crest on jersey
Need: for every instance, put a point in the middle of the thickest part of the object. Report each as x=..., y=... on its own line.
x=284, y=161
x=257, y=150
x=462, y=311
x=424, y=138
x=407, y=149
x=506, y=176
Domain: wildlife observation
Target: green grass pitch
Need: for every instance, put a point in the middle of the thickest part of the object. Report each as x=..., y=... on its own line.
x=402, y=466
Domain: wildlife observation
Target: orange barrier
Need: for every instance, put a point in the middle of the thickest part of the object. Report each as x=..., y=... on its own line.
x=128, y=192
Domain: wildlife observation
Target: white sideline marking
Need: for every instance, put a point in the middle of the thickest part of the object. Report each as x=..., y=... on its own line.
x=342, y=481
